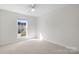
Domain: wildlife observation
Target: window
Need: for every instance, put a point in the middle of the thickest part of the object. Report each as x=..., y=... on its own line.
x=22, y=25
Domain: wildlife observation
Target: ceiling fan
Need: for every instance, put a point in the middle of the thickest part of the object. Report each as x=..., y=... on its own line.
x=32, y=7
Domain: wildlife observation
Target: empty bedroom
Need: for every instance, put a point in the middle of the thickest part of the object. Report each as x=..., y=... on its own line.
x=39, y=28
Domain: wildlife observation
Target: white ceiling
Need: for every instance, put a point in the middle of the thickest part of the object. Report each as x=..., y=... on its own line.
x=25, y=9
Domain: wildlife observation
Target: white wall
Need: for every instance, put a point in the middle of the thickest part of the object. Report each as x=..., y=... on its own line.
x=32, y=27
x=61, y=25
x=0, y=26
x=8, y=27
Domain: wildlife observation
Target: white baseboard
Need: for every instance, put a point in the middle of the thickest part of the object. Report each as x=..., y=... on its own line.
x=68, y=47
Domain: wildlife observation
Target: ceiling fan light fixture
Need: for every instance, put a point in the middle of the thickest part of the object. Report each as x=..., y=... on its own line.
x=33, y=9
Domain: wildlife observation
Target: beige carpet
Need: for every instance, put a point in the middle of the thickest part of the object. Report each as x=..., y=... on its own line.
x=35, y=47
